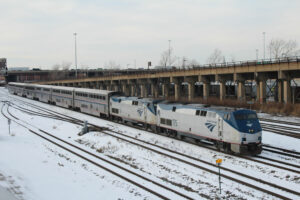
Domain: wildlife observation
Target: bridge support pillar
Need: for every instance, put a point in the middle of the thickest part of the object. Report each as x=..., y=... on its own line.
x=286, y=91
x=205, y=90
x=191, y=90
x=177, y=91
x=191, y=80
x=262, y=91
x=165, y=90
x=125, y=89
x=241, y=91
x=177, y=86
x=116, y=88
x=222, y=90
x=279, y=91
x=132, y=90
x=154, y=90
x=143, y=90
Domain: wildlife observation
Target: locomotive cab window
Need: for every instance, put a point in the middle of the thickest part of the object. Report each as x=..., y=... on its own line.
x=197, y=112
x=115, y=110
x=203, y=113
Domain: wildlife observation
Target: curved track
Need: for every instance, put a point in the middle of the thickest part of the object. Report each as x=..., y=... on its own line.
x=195, y=159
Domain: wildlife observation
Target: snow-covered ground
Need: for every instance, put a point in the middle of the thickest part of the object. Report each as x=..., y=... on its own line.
x=32, y=168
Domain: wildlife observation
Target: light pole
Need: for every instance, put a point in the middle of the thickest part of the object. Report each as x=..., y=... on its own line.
x=75, y=34
x=169, y=52
x=256, y=54
x=264, y=39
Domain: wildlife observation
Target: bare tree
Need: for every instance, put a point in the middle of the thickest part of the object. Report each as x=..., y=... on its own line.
x=216, y=57
x=167, y=58
x=56, y=67
x=282, y=48
x=112, y=65
x=193, y=63
x=164, y=58
x=65, y=65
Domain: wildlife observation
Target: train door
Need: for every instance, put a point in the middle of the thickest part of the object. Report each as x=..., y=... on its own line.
x=220, y=128
x=145, y=112
x=73, y=99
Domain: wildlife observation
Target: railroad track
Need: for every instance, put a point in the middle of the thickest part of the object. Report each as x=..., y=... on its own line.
x=259, y=159
x=144, y=182
x=273, y=129
x=280, y=127
x=117, y=134
x=280, y=121
x=281, y=151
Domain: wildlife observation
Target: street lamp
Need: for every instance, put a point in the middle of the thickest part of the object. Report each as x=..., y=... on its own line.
x=169, y=52
x=75, y=34
x=256, y=54
x=264, y=38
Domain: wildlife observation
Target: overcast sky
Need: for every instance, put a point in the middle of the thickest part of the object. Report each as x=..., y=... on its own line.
x=39, y=33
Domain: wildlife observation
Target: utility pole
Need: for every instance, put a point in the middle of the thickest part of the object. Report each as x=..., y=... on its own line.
x=256, y=54
x=264, y=40
x=75, y=34
x=169, y=52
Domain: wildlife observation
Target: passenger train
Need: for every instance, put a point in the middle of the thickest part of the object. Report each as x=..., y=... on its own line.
x=231, y=130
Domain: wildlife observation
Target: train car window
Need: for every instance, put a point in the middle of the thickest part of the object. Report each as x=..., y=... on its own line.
x=203, y=113
x=245, y=116
x=115, y=110
x=174, y=109
x=162, y=120
x=252, y=116
x=240, y=117
x=119, y=100
x=135, y=103
x=169, y=122
x=197, y=112
x=227, y=116
x=104, y=97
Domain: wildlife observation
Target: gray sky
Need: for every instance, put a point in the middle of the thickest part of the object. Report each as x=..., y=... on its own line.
x=39, y=33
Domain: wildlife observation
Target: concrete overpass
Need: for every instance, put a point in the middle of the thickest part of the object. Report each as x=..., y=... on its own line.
x=200, y=81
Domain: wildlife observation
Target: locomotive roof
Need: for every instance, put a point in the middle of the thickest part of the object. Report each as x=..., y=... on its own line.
x=94, y=91
x=144, y=100
x=57, y=87
x=169, y=106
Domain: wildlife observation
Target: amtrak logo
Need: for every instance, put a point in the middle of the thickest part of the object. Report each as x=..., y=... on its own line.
x=140, y=111
x=210, y=126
